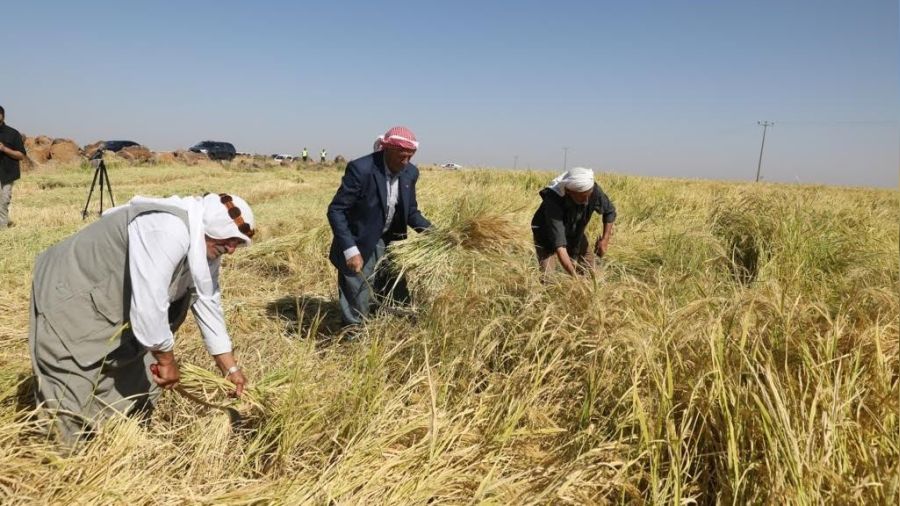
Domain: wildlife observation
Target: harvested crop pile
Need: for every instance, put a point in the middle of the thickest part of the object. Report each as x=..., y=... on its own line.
x=135, y=154
x=471, y=232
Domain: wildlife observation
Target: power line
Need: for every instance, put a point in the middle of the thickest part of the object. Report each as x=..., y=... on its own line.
x=838, y=122
x=765, y=125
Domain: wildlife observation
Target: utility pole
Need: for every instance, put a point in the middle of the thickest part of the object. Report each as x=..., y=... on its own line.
x=515, y=162
x=565, y=156
x=765, y=125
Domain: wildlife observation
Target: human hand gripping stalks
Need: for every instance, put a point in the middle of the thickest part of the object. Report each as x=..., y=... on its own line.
x=205, y=387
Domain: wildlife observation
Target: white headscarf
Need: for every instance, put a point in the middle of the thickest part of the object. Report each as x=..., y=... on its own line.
x=218, y=224
x=578, y=179
x=206, y=216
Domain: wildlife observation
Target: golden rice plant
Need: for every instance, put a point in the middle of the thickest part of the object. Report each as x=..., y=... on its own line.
x=471, y=231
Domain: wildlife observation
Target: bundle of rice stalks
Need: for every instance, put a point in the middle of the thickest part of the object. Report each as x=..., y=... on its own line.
x=472, y=224
x=212, y=390
x=473, y=233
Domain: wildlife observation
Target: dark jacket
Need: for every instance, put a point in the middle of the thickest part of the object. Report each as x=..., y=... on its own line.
x=359, y=208
x=9, y=167
x=559, y=221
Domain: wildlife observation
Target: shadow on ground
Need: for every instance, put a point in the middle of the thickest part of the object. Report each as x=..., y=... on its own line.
x=308, y=316
x=24, y=397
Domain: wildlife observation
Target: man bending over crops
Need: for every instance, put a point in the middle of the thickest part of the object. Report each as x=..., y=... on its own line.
x=560, y=222
x=374, y=205
x=106, y=296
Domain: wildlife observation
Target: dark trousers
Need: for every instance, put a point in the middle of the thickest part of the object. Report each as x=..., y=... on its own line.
x=377, y=284
x=579, y=252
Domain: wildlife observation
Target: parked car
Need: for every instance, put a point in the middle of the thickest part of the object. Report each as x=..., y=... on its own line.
x=452, y=166
x=116, y=146
x=283, y=158
x=215, y=150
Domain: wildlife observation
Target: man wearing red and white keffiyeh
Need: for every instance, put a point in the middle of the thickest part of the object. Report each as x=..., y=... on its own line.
x=374, y=206
x=397, y=137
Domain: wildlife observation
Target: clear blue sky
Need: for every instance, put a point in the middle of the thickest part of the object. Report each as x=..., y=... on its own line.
x=669, y=88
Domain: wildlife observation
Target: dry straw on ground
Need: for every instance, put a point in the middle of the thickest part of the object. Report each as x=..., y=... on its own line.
x=739, y=345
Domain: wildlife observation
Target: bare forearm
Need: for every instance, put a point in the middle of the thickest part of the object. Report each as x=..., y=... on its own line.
x=164, y=357
x=225, y=361
x=607, y=231
x=603, y=241
x=563, y=256
x=12, y=153
x=231, y=370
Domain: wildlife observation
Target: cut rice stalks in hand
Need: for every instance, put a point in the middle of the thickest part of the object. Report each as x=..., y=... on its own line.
x=214, y=391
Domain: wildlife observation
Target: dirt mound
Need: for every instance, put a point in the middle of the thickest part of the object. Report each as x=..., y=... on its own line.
x=249, y=163
x=38, y=148
x=41, y=149
x=135, y=154
x=64, y=150
x=189, y=157
x=164, y=157
x=37, y=141
x=91, y=149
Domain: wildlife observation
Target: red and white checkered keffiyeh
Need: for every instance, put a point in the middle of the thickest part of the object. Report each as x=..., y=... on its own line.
x=400, y=137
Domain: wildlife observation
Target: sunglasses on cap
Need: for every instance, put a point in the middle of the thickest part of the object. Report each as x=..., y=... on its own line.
x=234, y=212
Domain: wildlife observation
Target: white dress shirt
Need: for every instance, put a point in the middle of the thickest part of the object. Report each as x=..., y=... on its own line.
x=392, y=181
x=157, y=244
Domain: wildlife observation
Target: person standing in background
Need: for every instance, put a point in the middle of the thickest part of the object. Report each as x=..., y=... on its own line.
x=12, y=151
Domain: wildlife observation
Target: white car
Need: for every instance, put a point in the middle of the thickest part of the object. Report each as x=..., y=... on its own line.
x=451, y=166
x=283, y=158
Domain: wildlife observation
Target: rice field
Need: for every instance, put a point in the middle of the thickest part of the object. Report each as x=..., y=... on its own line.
x=739, y=345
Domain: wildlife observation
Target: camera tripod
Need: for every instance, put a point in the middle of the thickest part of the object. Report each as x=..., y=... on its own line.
x=102, y=176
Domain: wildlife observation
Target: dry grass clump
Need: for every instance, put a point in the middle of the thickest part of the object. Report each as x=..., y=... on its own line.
x=469, y=224
x=738, y=345
x=469, y=233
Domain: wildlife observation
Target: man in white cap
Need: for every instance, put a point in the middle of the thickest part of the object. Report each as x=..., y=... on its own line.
x=559, y=225
x=106, y=301
x=374, y=206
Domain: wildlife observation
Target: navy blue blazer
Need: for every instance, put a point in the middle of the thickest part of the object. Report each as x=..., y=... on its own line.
x=359, y=208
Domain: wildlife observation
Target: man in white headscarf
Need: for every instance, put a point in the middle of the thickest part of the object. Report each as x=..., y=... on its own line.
x=559, y=225
x=106, y=301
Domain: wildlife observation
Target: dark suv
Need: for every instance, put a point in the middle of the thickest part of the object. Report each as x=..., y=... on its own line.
x=215, y=150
